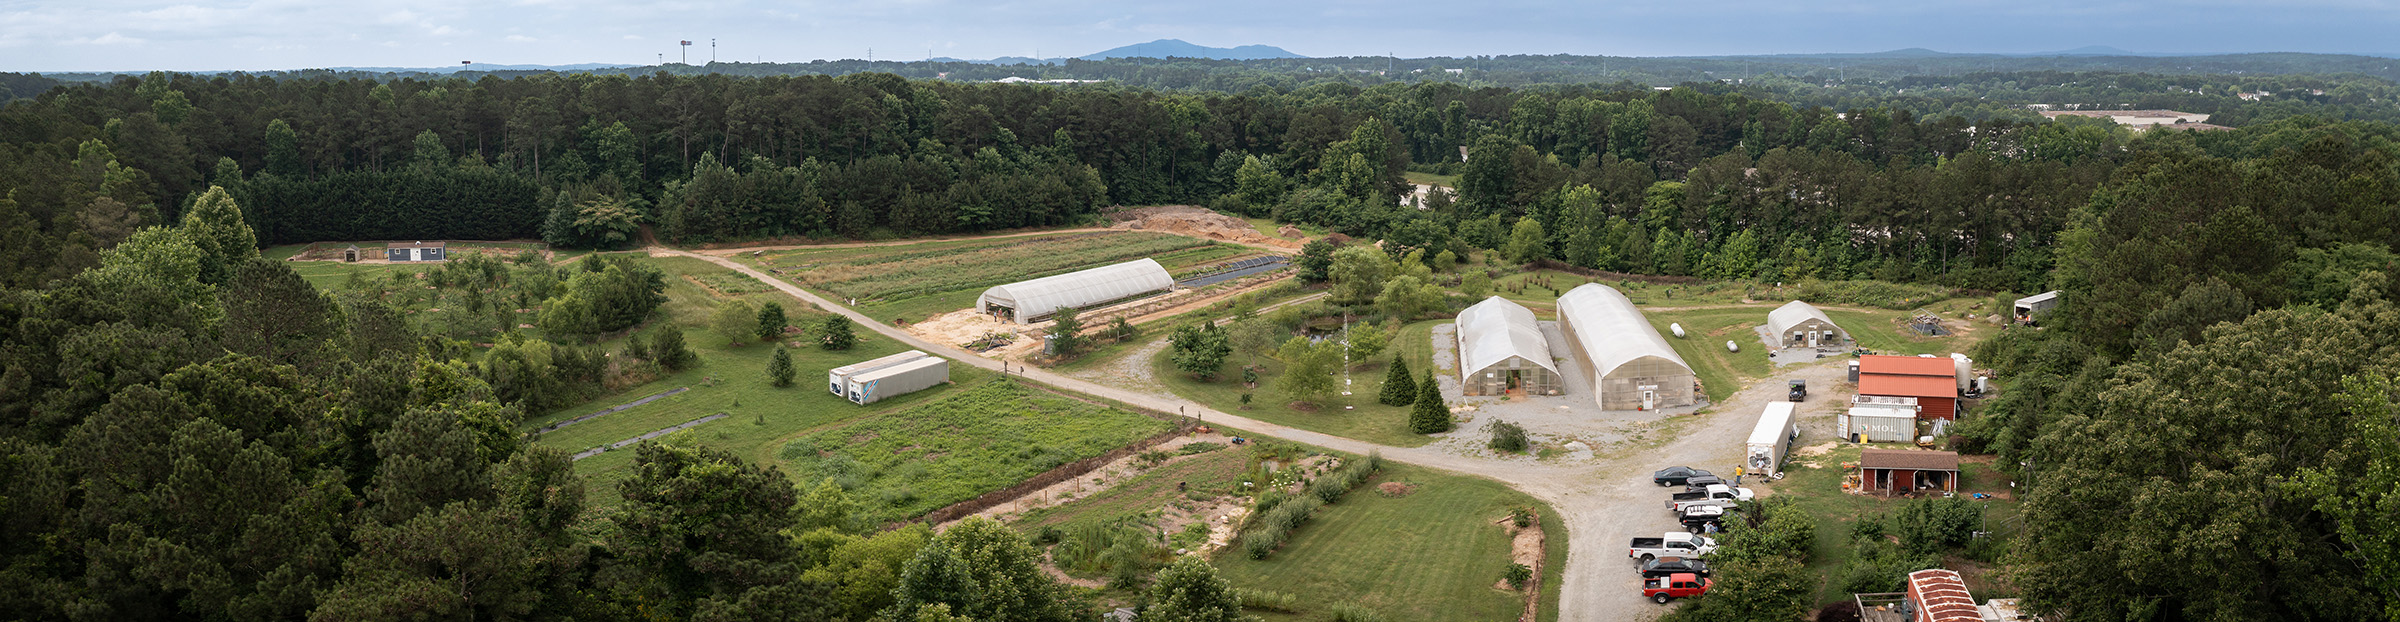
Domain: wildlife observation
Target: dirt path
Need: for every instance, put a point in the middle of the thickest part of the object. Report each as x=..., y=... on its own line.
x=1601, y=502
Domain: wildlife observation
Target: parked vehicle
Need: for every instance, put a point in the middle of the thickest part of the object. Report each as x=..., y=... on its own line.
x=1677, y=475
x=1702, y=482
x=1770, y=438
x=1715, y=494
x=1670, y=566
x=1699, y=518
x=1674, y=544
x=1799, y=390
x=1671, y=587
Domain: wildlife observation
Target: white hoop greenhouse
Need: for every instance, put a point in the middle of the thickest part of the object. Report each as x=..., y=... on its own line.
x=1797, y=324
x=1632, y=366
x=1035, y=300
x=1502, y=348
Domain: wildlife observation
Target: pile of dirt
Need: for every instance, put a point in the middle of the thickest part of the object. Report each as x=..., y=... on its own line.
x=1196, y=222
x=965, y=325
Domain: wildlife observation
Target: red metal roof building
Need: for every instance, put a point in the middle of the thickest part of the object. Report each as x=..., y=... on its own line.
x=1933, y=381
x=1941, y=596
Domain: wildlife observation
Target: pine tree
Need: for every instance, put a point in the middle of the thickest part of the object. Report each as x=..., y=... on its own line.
x=779, y=369
x=1431, y=415
x=1399, y=388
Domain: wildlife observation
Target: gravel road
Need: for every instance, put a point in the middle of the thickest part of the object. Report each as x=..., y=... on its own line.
x=1604, y=501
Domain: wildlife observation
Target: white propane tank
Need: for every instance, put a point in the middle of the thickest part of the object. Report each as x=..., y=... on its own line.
x=1677, y=329
x=1732, y=347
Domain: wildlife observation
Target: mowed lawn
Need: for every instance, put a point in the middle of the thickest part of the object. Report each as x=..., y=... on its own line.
x=1433, y=555
x=1364, y=419
x=1721, y=372
x=1818, y=490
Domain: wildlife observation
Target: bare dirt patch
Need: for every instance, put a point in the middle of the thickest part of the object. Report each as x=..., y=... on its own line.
x=1525, y=547
x=965, y=325
x=1396, y=489
x=1198, y=222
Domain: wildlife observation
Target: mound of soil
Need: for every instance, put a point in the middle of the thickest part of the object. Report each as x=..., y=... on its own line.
x=1194, y=221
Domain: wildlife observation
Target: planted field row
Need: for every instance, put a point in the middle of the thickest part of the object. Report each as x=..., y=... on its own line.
x=908, y=462
x=907, y=273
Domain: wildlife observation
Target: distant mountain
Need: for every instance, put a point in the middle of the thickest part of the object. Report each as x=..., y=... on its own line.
x=2089, y=50
x=1178, y=48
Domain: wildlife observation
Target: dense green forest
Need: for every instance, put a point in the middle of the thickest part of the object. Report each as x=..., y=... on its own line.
x=192, y=431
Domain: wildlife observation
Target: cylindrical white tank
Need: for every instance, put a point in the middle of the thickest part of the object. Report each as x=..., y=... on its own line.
x=1730, y=346
x=1677, y=329
x=1965, y=368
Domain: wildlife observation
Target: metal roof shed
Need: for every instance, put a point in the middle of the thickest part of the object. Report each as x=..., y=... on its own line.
x=2029, y=307
x=1798, y=323
x=1028, y=301
x=1632, y=366
x=1501, y=346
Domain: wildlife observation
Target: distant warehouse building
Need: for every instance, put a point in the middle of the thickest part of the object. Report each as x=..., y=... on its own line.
x=1631, y=365
x=1500, y=348
x=1798, y=324
x=1036, y=300
x=2030, y=309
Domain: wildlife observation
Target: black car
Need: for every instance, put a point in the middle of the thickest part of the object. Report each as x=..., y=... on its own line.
x=1674, y=476
x=1799, y=390
x=1665, y=566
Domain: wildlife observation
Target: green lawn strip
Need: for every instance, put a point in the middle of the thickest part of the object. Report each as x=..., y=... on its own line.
x=1216, y=472
x=1108, y=352
x=906, y=462
x=1178, y=262
x=1554, y=562
x=1721, y=372
x=906, y=271
x=1431, y=555
x=1446, y=181
x=1366, y=421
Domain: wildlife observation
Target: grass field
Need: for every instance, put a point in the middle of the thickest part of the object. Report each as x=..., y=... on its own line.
x=729, y=379
x=915, y=281
x=1721, y=372
x=902, y=463
x=1430, y=556
x=1446, y=181
x=1216, y=472
x=1365, y=420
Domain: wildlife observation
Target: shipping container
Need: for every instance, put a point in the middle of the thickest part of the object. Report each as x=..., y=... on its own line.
x=837, y=380
x=901, y=379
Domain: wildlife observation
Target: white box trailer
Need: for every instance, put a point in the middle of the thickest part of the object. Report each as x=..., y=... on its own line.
x=901, y=379
x=1768, y=442
x=837, y=380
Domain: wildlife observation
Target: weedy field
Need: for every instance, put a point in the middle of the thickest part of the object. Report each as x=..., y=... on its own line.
x=902, y=463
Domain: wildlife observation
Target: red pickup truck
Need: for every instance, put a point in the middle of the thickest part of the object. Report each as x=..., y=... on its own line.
x=1671, y=587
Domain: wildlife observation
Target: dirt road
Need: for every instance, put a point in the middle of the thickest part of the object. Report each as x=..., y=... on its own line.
x=1603, y=502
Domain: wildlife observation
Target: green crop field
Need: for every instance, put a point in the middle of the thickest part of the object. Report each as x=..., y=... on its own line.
x=915, y=281
x=1364, y=419
x=906, y=462
x=1432, y=555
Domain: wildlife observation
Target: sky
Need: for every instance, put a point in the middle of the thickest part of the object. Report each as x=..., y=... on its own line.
x=135, y=35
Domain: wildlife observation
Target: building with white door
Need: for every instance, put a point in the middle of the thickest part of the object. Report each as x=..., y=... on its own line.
x=1632, y=366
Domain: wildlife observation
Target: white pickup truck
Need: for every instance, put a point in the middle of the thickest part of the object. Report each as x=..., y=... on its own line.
x=1716, y=494
x=1675, y=544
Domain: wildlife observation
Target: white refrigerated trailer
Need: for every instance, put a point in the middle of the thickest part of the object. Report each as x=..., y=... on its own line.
x=837, y=379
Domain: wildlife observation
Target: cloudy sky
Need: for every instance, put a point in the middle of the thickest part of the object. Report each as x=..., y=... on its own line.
x=125, y=35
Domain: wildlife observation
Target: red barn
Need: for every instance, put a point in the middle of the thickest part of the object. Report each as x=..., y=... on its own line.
x=1933, y=381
